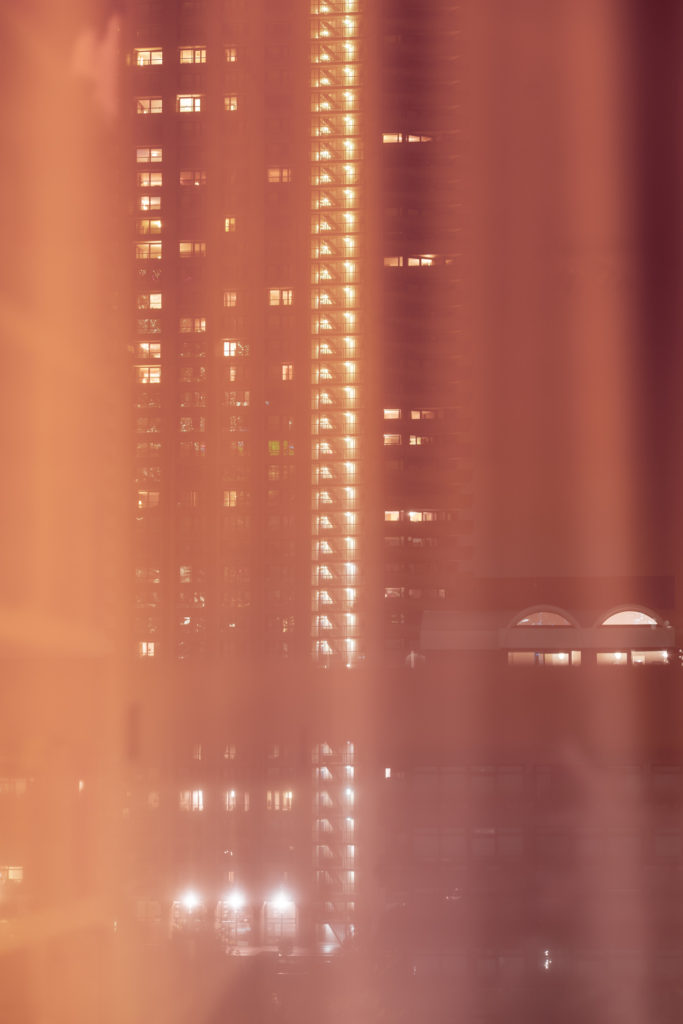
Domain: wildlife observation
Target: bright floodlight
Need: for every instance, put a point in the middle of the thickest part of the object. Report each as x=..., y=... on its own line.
x=281, y=902
x=236, y=900
x=190, y=900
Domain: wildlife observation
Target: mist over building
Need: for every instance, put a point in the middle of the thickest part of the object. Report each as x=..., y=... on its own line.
x=368, y=705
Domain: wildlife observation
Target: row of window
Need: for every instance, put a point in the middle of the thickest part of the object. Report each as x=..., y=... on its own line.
x=626, y=657
x=414, y=440
x=393, y=137
x=147, y=204
x=413, y=516
x=154, y=155
x=153, y=56
x=193, y=800
x=189, y=103
x=409, y=261
x=415, y=414
x=231, y=349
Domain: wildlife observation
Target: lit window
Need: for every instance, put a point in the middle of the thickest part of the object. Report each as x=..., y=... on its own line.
x=187, y=249
x=192, y=324
x=193, y=55
x=148, y=350
x=190, y=104
x=146, y=203
x=229, y=499
x=148, y=105
x=149, y=227
x=230, y=102
x=392, y=438
x=422, y=414
x=191, y=800
x=148, y=499
x=148, y=250
x=392, y=137
x=149, y=155
x=150, y=300
x=556, y=658
x=230, y=223
x=420, y=261
x=543, y=617
x=230, y=752
x=392, y=516
x=149, y=179
x=418, y=439
x=393, y=261
x=287, y=370
x=229, y=299
x=230, y=800
x=149, y=57
x=280, y=296
x=649, y=657
x=287, y=800
x=231, y=54
x=612, y=658
x=146, y=649
x=630, y=617
x=422, y=517
x=234, y=348
x=193, y=178
x=148, y=374
x=279, y=175
x=392, y=414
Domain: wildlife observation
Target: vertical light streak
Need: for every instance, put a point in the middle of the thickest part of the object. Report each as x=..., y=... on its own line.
x=335, y=325
x=335, y=838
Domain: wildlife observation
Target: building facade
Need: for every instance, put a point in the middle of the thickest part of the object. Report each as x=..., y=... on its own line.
x=301, y=487
x=338, y=742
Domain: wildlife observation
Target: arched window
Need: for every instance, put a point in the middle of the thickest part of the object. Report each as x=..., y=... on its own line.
x=543, y=617
x=629, y=617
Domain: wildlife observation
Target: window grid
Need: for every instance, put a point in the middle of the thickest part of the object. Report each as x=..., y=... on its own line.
x=334, y=229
